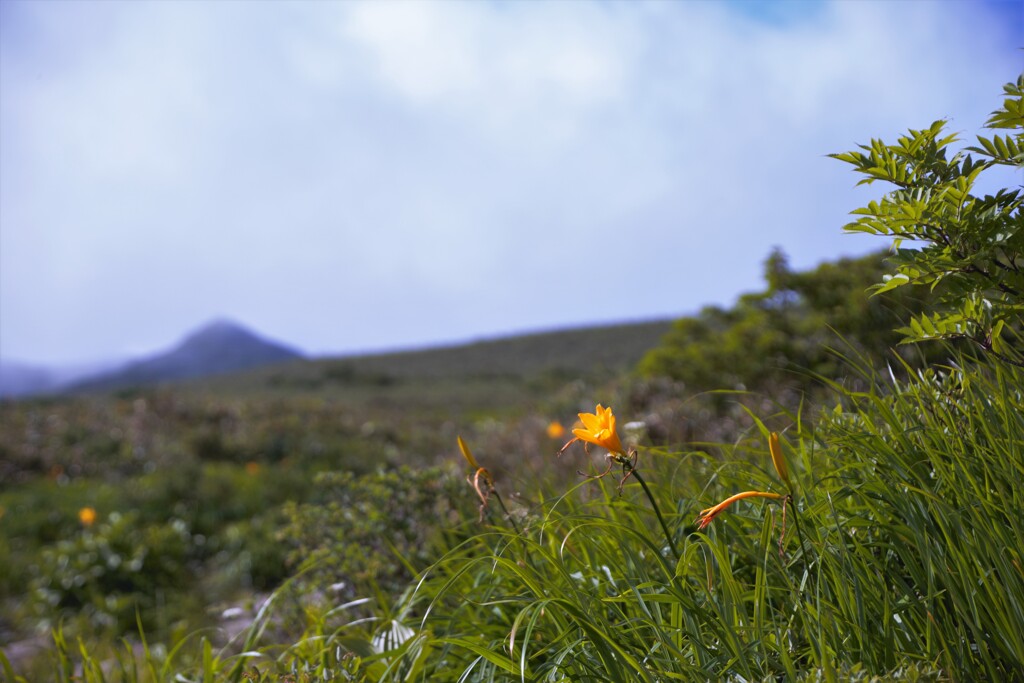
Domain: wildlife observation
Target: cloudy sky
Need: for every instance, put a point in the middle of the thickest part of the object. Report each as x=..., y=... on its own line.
x=353, y=176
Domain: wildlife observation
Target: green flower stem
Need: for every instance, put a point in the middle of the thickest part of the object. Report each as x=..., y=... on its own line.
x=504, y=509
x=631, y=471
x=800, y=537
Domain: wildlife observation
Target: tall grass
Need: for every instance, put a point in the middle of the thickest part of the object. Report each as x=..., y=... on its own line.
x=937, y=468
x=897, y=556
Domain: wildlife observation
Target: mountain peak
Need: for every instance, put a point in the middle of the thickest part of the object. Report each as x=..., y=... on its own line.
x=219, y=331
x=218, y=347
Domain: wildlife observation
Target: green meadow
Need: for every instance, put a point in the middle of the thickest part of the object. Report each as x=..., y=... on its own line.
x=819, y=483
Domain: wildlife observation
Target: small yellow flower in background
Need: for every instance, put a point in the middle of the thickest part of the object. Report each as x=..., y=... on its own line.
x=778, y=459
x=599, y=429
x=87, y=516
x=556, y=430
x=252, y=468
x=708, y=514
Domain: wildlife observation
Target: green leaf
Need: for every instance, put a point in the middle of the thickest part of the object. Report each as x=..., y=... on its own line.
x=484, y=651
x=891, y=282
x=996, y=336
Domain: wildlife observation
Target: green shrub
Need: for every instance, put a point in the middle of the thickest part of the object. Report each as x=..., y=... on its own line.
x=375, y=530
x=773, y=340
x=112, y=570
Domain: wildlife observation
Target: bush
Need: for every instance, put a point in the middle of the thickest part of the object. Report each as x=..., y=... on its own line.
x=376, y=530
x=114, y=569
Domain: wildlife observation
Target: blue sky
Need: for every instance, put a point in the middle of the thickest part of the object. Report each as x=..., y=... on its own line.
x=351, y=177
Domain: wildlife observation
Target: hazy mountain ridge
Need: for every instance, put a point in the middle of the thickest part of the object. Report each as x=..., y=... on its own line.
x=217, y=348
x=224, y=349
x=20, y=379
x=27, y=379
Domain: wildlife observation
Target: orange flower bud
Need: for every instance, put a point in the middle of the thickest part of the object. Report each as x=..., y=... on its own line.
x=708, y=514
x=778, y=459
x=467, y=454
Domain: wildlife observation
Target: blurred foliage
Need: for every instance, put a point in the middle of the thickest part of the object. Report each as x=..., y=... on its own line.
x=233, y=459
x=110, y=571
x=798, y=328
x=362, y=533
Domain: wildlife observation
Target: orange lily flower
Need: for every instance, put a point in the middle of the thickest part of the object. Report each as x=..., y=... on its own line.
x=708, y=514
x=599, y=429
x=555, y=430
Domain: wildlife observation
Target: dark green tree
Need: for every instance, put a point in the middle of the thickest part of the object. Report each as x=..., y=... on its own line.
x=781, y=337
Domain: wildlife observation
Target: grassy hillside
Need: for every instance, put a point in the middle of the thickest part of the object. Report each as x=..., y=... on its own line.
x=593, y=352
x=194, y=478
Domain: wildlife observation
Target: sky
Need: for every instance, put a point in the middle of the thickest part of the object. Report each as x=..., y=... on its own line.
x=354, y=177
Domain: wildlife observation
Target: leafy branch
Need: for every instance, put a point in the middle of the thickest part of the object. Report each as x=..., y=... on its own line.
x=967, y=248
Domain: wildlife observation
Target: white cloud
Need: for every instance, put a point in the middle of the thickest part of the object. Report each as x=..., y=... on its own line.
x=424, y=51
x=359, y=175
x=504, y=70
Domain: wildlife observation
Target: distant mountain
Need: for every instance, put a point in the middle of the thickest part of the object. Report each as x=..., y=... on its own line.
x=218, y=348
x=17, y=379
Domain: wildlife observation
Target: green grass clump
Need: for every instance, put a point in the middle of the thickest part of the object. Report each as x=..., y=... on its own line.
x=937, y=468
x=899, y=556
